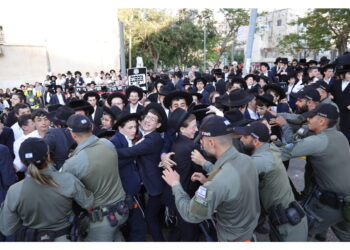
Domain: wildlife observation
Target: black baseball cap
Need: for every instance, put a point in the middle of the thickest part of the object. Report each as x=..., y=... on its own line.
x=33, y=149
x=312, y=94
x=325, y=110
x=321, y=85
x=79, y=123
x=213, y=126
x=257, y=130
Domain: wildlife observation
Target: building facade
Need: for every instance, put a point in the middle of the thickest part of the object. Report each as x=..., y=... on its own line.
x=35, y=40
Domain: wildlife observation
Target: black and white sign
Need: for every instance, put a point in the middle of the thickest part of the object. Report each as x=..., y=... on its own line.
x=137, y=77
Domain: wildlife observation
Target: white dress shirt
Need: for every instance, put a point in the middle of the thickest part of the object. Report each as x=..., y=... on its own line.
x=344, y=85
x=17, y=131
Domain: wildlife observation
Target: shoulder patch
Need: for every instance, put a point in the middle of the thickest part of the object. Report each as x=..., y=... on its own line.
x=202, y=192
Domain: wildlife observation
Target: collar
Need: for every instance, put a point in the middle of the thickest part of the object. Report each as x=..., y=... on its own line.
x=127, y=139
x=92, y=139
x=262, y=148
x=327, y=130
x=230, y=154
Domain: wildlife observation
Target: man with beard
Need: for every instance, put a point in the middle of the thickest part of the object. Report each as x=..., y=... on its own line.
x=286, y=217
x=293, y=125
x=231, y=188
x=329, y=156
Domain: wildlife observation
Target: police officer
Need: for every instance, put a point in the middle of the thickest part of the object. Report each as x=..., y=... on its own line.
x=95, y=163
x=38, y=208
x=329, y=156
x=231, y=188
x=287, y=219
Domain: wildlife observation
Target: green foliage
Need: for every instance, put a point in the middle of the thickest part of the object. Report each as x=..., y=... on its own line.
x=325, y=29
x=157, y=36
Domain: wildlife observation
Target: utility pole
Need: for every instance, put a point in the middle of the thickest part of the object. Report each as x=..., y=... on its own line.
x=122, y=49
x=130, y=46
x=249, y=49
x=205, y=42
x=205, y=47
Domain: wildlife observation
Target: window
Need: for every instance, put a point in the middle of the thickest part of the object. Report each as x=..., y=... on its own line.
x=279, y=22
x=270, y=24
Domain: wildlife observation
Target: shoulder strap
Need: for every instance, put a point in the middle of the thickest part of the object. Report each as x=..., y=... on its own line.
x=213, y=174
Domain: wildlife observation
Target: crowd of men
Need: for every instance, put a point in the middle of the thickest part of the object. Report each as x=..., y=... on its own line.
x=202, y=155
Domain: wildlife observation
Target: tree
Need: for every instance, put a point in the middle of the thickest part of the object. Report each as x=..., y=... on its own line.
x=234, y=19
x=146, y=27
x=324, y=29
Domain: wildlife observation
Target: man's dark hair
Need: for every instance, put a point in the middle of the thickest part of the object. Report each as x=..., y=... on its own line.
x=312, y=68
x=21, y=97
x=23, y=120
x=155, y=112
x=39, y=113
x=177, y=98
x=19, y=106
x=331, y=123
x=260, y=103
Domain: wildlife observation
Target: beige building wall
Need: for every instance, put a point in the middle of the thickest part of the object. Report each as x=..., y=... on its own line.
x=39, y=36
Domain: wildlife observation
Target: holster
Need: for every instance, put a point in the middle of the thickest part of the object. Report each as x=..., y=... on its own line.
x=280, y=215
x=79, y=226
x=110, y=211
x=332, y=199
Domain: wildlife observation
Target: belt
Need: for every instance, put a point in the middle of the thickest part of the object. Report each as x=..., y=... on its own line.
x=98, y=213
x=47, y=235
x=280, y=215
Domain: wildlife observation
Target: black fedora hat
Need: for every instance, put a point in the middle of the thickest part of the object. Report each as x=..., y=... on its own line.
x=77, y=73
x=280, y=91
x=249, y=75
x=176, y=118
x=200, y=111
x=125, y=116
x=114, y=111
x=302, y=61
x=194, y=93
x=91, y=94
x=217, y=71
x=115, y=95
x=81, y=105
x=61, y=115
x=236, y=118
x=277, y=60
x=165, y=90
x=237, y=97
x=265, y=64
x=105, y=133
x=217, y=102
x=324, y=60
x=58, y=86
x=53, y=107
x=199, y=79
x=169, y=97
x=159, y=109
x=284, y=60
x=136, y=89
x=311, y=62
x=267, y=99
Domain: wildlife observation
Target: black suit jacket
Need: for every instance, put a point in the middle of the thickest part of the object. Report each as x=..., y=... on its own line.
x=221, y=86
x=342, y=99
x=98, y=116
x=138, y=110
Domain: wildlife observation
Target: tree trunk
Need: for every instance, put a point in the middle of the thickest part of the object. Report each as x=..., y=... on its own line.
x=155, y=60
x=341, y=44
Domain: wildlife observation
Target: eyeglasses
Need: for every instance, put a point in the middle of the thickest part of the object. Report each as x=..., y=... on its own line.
x=150, y=118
